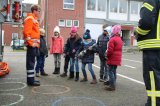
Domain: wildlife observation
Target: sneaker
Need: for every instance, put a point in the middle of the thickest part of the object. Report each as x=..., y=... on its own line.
x=64, y=75
x=37, y=75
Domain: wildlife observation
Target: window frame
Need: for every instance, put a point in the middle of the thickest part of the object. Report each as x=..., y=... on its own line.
x=118, y=8
x=63, y=24
x=69, y=4
x=74, y=22
x=67, y=22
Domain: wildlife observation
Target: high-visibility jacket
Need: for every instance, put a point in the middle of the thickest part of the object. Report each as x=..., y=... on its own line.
x=31, y=30
x=149, y=25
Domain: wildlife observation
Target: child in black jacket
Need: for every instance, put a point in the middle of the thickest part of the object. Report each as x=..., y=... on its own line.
x=43, y=54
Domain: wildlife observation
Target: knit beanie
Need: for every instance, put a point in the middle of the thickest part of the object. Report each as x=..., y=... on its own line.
x=87, y=34
x=116, y=29
x=57, y=29
x=73, y=29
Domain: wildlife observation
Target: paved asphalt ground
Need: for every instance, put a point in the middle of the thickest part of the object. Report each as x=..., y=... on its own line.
x=57, y=91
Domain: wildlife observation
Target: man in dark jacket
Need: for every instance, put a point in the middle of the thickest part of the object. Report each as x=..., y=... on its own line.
x=102, y=47
x=43, y=54
x=149, y=42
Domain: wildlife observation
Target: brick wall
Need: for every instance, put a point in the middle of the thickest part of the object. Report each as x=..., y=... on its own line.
x=8, y=30
x=56, y=12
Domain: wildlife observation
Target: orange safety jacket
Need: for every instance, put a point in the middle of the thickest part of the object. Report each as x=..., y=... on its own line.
x=31, y=30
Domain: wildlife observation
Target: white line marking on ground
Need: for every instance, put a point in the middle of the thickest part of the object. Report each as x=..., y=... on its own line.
x=132, y=60
x=10, y=94
x=129, y=66
x=123, y=76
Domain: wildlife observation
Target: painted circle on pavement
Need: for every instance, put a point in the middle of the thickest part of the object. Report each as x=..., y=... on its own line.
x=51, y=89
x=5, y=86
x=78, y=101
x=7, y=97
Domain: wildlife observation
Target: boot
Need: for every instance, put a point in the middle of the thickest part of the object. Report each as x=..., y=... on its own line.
x=110, y=88
x=64, y=75
x=71, y=75
x=77, y=76
x=101, y=78
x=84, y=79
x=94, y=81
x=44, y=74
x=56, y=71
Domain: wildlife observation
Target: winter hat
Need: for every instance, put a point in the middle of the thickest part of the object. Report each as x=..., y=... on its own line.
x=57, y=29
x=108, y=29
x=87, y=34
x=73, y=29
x=42, y=31
x=116, y=29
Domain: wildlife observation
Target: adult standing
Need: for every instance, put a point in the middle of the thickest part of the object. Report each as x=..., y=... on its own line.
x=102, y=47
x=149, y=42
x=32, y=40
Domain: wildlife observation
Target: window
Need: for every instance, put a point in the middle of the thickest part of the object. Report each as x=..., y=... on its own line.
x=91, y=5
x=134, y=7
x=114, y=6
x=76, y=23
x=123, y=6
x=68, y=23
x=101, y=5
x=68, y=4
x=62, y=22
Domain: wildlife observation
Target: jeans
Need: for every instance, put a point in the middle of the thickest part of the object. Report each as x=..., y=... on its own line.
x=112, y=75
x=57, y=60
x=89, y=68
x=72, y=63
x=103, y=69
x=40, y=63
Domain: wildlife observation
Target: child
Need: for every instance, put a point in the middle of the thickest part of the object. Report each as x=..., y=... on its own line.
x=56, y=49
x=43, y=54
x=114, y=56
x=73, y=45
x=88, y=56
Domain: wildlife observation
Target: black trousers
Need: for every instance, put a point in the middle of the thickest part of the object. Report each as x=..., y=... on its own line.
x=66, y=63
x=30, y=63
x=151, y=75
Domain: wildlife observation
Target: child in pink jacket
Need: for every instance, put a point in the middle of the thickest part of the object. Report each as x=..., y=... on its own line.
x=56, y=49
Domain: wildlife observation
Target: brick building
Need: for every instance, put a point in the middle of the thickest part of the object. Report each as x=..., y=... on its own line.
x=65, y=14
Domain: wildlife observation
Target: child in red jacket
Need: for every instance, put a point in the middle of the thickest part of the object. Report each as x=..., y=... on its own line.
x=56, y=49
x=114, y=56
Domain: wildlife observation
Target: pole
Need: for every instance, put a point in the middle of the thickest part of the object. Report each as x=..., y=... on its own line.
x=46, y=22
x=1, y=51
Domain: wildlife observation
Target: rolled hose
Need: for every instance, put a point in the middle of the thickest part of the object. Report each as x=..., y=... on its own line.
x=4, y=69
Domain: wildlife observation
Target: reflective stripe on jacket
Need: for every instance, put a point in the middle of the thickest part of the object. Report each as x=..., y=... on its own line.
x=149, y=25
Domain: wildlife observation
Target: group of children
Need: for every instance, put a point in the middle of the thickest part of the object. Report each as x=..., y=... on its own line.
x=108, y=47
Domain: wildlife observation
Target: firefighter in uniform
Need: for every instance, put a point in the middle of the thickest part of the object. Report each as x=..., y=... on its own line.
x=32, y=38
x=148, y=37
